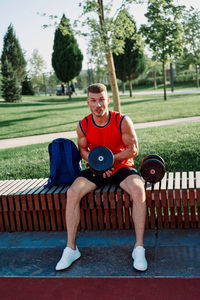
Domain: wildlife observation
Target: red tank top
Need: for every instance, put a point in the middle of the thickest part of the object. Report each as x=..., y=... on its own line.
x=108, y=136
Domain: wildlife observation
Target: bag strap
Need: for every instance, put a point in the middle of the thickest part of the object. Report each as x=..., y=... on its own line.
x=49, y=182
x=68, y=153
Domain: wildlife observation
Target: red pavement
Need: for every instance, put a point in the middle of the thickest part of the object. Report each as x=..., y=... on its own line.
x=99, y=288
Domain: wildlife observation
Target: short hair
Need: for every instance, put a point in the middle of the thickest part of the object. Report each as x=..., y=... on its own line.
x=97, y=88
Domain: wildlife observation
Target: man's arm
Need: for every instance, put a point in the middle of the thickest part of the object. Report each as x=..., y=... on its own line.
x=129, y=139
x=82, y=143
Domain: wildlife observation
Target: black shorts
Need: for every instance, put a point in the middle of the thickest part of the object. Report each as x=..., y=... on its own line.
x=116, y=178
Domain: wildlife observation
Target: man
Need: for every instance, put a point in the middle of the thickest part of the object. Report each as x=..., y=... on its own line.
x=116, y=132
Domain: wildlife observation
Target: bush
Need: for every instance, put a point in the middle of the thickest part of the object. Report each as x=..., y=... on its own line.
x=27, y=88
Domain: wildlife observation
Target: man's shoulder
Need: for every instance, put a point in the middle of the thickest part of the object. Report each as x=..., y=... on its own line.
x=117, y=115
x=86, y=118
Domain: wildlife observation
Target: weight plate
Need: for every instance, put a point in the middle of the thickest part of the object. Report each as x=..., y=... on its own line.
x=153, y=156
x=100, y=160
x=152, y=170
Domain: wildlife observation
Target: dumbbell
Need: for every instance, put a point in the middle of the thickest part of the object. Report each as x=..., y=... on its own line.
x=100, y=160
x=153, y=168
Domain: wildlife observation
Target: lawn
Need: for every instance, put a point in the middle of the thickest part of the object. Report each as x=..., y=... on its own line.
x=178, y=145
x=48, y=114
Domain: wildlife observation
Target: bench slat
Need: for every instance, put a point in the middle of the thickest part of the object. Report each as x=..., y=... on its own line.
x=197, y=175
x=93, y=210
x=112, y=202
x=192, y=199
x=82, y=213
x=157, y=200
x=185, y=200
x=120, y=217
x=106, y=206
x=178, y=199
x=88, y=214
x=171, y=199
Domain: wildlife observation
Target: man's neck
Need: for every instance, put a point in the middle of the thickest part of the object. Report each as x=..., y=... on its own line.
x=101, y=120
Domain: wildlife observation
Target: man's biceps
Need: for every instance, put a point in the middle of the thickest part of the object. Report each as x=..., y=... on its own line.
x=129, y=139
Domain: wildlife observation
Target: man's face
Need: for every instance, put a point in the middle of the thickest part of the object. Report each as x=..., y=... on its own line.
x=98, y=103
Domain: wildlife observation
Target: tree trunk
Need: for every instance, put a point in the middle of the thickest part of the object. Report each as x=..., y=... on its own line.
x=123, y=87
x=69, y=90
x=197, y=76
x=172, y=77
x=130, y=87
x=110, y=63
x=45, y=87
x=113, y=82
x=164, y=81
x=154, y=80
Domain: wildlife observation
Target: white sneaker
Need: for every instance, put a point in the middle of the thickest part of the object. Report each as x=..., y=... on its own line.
x=138, y=256
x=68, y=257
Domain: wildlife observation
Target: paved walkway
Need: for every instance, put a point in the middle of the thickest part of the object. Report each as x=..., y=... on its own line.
x=36, y=139
x=170, y=253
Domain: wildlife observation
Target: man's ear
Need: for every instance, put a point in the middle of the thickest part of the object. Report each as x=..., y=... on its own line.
x=87, y=101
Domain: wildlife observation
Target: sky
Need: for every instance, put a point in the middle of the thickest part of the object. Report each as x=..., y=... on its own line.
x=27, y=23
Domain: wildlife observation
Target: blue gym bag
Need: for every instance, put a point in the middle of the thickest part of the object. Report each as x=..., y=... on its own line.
x=65, y=162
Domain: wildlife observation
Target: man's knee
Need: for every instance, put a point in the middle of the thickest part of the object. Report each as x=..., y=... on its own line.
x=138, y=192
x=73, y=196
x=135, y=188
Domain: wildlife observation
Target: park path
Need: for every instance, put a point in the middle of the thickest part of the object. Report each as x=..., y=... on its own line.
x=36, y=139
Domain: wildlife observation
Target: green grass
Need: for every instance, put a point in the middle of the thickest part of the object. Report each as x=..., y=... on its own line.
x=178, y=145
x=154, y=108
x=59, y=114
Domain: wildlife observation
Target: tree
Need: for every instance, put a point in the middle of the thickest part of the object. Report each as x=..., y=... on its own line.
x=163, y=32
x=131, y=63
x=109, y=35
x=10, y=85
x=82, y=80
x=12, y=52
x=97, y=68
x=66, y=57
x=191, y=23
x=27, y=88
x=36, y=66
x=52, y=81
x=1, y=77
x=12, y=66
x=154, y=68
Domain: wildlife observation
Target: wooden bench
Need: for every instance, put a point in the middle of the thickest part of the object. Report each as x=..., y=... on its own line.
x=172, y=203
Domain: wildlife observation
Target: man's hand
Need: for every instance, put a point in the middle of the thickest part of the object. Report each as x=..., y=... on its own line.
x=108, y=173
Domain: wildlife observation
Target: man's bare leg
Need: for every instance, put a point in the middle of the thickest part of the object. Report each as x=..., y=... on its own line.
x=80, y=187
x=76, y=192
x=134, y=186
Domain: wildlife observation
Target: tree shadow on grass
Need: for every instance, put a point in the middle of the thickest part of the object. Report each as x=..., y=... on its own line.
x=63, y=109
x=137, y=101
x=42, y=127
x=14, y=121
x=64, y=100
x=21, y=104
x=43, y=102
